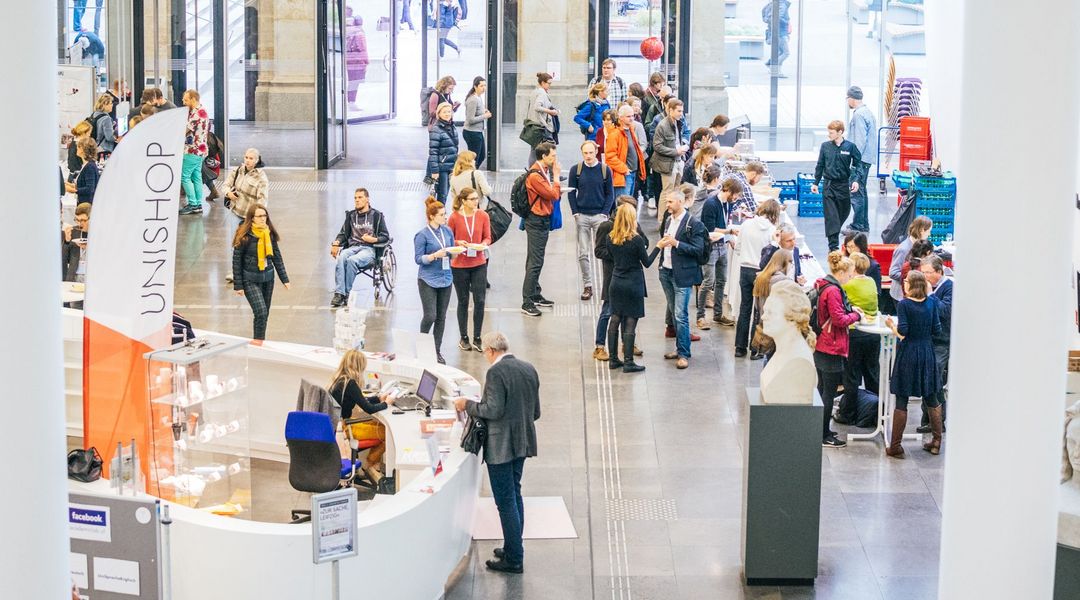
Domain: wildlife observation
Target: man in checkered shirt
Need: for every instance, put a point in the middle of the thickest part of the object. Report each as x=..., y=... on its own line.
x=745, y=204
x=616, y=89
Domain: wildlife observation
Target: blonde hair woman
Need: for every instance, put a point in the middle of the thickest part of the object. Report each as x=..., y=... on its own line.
x=442, y=149
x=834, y=315
x=590, y=115
x=443, y=88
x=630, y=257
x=466, y=175
x=104, y=129
x=347, y=387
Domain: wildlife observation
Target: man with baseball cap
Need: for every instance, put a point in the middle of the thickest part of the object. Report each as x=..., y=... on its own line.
x=863, y=132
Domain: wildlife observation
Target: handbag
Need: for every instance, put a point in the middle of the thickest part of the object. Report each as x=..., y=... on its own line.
x=500, y=219
x=84, y=465
x=532, y=133
x=475, y=435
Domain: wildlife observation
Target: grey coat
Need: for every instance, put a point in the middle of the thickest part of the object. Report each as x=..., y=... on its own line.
x=666, y=140
x=510, y=406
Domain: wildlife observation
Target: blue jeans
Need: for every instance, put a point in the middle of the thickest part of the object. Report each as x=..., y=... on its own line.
x=678, y=302
x=602, y=323
x=506, y=488
x=628, y=188
x=191, y=178
x=351, y=261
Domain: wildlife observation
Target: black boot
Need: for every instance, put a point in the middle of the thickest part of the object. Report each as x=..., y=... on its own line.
x=629, y=366
x=613, y=350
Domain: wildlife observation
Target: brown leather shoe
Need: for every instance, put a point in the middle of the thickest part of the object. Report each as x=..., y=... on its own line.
x=671, y=355
x=682, y=363
x=669, y=332
x=587, y=294
x=600, y=353
x=638, y=351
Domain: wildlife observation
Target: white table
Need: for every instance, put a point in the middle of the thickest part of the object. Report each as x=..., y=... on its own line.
x=886, y=400
x=68, y=293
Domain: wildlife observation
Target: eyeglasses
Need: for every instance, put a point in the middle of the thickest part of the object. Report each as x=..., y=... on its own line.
x=82, y=219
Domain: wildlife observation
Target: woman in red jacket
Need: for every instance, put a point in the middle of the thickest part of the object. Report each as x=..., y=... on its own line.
x=472, y=229
x=834, y=315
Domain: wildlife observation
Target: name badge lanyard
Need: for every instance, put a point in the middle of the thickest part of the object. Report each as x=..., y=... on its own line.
x=469, y=227
x=439, y=240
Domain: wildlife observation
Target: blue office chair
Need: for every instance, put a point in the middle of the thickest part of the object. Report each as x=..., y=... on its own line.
x=315, y=463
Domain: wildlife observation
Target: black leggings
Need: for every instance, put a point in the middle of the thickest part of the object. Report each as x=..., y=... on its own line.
x=258, y=295
x=470, y=280
x=629, y=327
x=434, y=301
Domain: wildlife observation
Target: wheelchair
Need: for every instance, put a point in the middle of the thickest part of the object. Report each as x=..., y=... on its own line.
x=382, y=272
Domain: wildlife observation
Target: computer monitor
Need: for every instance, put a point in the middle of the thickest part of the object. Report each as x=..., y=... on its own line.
x=425, y=390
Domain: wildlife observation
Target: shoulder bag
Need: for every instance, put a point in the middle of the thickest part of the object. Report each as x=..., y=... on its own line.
x=84, y=465
x=475, y=435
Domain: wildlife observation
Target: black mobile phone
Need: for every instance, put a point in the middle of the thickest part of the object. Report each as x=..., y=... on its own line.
x=397, y=411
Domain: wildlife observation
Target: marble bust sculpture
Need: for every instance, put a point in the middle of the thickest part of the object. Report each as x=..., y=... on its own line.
x=1070, y=450
x=790, y=376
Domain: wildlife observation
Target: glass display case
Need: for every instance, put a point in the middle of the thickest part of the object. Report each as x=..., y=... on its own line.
x=201, y=446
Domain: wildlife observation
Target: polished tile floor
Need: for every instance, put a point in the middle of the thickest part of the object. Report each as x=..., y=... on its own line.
x=649, y=465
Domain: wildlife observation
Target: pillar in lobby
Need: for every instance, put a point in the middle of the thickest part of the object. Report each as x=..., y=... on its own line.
x=708, y=89
x=1011, y=313
x=285, y=91
x=554, y=31
x=34, y=544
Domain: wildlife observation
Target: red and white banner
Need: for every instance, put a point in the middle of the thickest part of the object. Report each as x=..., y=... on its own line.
x=130, y=270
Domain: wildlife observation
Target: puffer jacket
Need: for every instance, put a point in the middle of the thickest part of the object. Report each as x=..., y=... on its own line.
x=442, y=147
x=834, y=315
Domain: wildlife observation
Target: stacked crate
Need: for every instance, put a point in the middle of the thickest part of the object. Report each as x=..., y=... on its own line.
x=789, y=190
x=915, y=140
x=936, y=200
x=810, y=204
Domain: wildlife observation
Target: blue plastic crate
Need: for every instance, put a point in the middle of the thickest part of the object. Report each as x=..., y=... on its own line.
x=948, y=181
x=808, y=197
x=811, y=211
x=924, y=202
x=804, y=181
x=789, y=190
x=936, y=213
x=937, y=195
x=901, y=179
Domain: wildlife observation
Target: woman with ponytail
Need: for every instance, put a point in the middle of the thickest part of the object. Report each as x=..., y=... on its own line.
x=432, y=253
x=256, y=257
x=834, y=315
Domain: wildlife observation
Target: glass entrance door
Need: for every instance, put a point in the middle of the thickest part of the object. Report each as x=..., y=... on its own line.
x=454, y=34
x=371, y=39
x=330, y=103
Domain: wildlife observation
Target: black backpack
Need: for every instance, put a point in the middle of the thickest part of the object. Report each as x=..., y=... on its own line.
x=95, y=124
x=519, y=195
x=706, y=246
x=425, y=112
x=814, y=295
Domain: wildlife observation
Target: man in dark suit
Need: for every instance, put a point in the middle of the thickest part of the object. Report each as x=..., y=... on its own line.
x=684, y=237
x=934, y=270
x=510, y=406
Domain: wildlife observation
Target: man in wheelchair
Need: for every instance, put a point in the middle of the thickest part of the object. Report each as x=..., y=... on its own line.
x=354, y=247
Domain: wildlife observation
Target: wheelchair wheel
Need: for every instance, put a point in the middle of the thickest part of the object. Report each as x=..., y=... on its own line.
x=389, y=269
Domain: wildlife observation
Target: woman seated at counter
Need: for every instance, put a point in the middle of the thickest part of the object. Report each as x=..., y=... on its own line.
x=346, y=387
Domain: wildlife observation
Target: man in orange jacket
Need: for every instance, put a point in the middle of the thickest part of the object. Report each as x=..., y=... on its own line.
x=543, y=189
x=626, y=165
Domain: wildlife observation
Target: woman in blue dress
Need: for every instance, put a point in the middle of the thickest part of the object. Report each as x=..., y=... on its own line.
x=915, y=371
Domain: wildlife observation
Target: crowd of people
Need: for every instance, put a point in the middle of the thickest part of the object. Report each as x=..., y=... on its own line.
x=636, y=155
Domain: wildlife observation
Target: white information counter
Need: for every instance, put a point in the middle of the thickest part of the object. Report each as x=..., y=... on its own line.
x=411, y=543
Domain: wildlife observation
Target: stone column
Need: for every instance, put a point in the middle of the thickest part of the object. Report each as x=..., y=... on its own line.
x=285, y=92
x=554, y=31
x=1011, y=314
x=708, y=90
x=34, y=545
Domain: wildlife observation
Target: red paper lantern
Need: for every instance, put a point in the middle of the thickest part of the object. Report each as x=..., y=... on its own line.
x=652, y=48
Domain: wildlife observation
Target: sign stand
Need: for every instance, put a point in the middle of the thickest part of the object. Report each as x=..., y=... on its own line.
x=333, y=531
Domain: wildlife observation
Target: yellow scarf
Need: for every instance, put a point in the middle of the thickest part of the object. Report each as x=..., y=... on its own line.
x=266, y=247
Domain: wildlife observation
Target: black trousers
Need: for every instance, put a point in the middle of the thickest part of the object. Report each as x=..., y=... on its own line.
x=475, y=141
x=861, y=369
x=434, y=301
x=629, y=327
x=828, y=386
x=836, y=197
x=941, y=357
x=472, y=280
x=537, y=230
x=258, y=295
x=746, y=306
